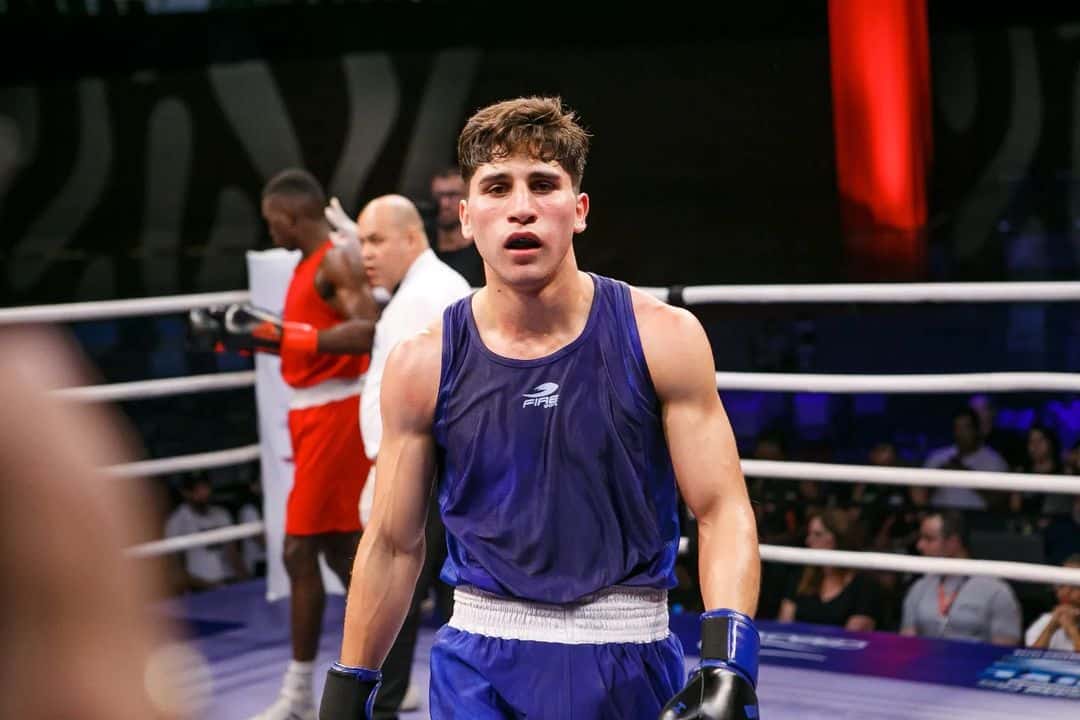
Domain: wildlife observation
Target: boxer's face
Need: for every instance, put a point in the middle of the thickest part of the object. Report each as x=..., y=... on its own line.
x=280, y=221
x=523, y=213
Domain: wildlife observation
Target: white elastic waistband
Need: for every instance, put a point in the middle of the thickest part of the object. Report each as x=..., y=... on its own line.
x=327, y=391
x=617, y=615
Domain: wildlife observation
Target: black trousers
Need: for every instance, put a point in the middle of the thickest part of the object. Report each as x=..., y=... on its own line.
x=398, y=664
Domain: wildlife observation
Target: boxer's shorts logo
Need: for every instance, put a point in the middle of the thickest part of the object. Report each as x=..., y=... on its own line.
x=542, y=396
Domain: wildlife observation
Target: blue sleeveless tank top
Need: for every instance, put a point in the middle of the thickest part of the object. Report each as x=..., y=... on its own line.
x=555, y=479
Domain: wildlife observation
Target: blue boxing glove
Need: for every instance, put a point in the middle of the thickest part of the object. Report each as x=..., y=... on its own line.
x=349, y=693
x=723, y=686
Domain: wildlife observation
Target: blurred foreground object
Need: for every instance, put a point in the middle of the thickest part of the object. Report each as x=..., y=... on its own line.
x=78, y=636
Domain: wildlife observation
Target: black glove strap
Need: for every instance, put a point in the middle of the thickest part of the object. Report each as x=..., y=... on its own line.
x=345, y=696
x=714, y=638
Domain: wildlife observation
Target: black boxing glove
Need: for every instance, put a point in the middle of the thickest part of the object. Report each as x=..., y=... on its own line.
x=723, y=686
x=206, y=328
x=349, y=693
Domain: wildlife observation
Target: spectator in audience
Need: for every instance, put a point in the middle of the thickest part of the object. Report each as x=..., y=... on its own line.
x=832, y=595
x=891, y=512
x=1043, y=455
x=1062, y=534
x=776, y=524
x=953, y=606
x=451, y=246
x=767, y=494
x=1072, y=460
x=882, y=454
x=209, y=566
x=1007, y=443
x=770, y=445
x=966, y=453
x=1059, y=629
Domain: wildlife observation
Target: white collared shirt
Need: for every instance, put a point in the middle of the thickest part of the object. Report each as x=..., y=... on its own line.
x=429, y=286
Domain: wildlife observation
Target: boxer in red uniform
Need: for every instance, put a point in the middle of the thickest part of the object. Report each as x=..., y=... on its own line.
x=323, y=338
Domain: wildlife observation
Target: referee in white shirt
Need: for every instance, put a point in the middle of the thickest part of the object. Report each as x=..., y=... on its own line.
x=397, y=257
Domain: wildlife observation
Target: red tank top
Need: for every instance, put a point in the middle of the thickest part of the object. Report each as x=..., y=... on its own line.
x=303, y=304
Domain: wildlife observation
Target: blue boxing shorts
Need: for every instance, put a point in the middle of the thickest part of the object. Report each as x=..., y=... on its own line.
x=608, y=657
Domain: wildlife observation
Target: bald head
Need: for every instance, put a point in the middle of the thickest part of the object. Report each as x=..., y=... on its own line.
x=393, y=212
x=392, y=234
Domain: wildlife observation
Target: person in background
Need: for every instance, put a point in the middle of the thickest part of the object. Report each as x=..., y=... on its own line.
x=397, y=255
x=956, y=606
x=968, y=452
x=1043, y=456
x=1059, y=629
x=832, y=595
x=207, y=566
x=450, y=245
x=323, y=337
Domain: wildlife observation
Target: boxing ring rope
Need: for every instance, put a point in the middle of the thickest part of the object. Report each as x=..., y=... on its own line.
x=112, y=309
x=142, y=389
x=893, y=562
x=783, y=382
x=185, y=463
x=698, y=295
x=888, y=562
x=1016, y=482
x=900, y=384
x=194, y=540
x=846, y=293
x=876, y=293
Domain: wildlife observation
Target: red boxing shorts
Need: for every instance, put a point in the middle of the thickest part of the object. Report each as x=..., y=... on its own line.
x=330, y=468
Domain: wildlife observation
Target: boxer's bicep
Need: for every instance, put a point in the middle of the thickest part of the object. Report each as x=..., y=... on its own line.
x=405, y=468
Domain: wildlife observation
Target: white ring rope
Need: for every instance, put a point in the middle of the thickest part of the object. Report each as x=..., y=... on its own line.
x=107, y=309
x=784, y=382
x=159, y=388
x=898, y=384
x=839, y=293
x=185, y=463
x=886, y=293
x=194, y=540
x=890, y=562
x=1025, y=572
x=929, y=477
x=752, y=468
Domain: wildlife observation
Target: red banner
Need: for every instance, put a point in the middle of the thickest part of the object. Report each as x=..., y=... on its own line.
x=881, y=117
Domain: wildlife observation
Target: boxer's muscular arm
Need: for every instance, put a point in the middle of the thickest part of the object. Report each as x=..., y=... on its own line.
x=391, y=550
x=703, y=452
x=341, y=282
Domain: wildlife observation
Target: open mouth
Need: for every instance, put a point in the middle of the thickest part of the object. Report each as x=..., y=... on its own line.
x=522, y=242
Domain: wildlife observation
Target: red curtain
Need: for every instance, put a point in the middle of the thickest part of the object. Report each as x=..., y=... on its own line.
x=881, y=118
